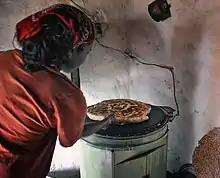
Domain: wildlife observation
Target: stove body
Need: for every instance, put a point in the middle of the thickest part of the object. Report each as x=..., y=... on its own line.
x=127, y=151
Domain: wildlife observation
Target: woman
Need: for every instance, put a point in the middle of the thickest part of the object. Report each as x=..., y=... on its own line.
x=37, y=102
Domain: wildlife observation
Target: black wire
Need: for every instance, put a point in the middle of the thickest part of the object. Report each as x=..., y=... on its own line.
x=137, y=59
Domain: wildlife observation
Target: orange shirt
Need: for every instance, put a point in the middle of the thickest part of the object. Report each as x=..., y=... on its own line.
x=32, y=103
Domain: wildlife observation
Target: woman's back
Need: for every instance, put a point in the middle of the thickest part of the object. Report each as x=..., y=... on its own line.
x=31, y=104
x=27, y=99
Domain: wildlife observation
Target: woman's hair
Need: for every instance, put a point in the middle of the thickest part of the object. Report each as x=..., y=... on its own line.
x=54, y=37
x=49, y=47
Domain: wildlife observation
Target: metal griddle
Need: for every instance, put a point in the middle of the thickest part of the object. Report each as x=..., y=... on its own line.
x=157, y=119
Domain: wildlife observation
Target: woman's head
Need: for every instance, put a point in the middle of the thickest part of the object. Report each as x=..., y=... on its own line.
x=60, y=37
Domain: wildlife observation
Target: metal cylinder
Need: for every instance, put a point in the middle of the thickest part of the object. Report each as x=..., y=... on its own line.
x=144, y=156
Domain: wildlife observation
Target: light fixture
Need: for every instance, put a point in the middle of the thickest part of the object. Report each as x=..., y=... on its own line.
x=159, y=10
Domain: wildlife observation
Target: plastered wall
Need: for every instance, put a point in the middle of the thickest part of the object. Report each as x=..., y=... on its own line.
x=189, y=41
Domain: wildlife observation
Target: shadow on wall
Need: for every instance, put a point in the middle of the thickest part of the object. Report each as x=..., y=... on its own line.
x=64, y=174
x=144, y=39
x=185, y=42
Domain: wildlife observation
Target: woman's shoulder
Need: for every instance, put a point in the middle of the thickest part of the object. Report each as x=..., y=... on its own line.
x=69, y=99
x=7, y=52
x=10, y=54
x=66, y=88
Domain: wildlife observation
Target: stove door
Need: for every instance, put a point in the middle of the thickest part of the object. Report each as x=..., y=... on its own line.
x=131, y=169
x=142, y=164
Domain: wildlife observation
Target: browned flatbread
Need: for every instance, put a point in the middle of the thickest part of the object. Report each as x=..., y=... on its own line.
x=206, y=156
x=125, y=110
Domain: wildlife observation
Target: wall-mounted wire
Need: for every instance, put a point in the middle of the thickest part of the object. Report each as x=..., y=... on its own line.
x=129, y=54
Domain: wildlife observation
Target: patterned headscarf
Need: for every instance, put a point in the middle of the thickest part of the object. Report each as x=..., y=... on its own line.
x=74, y=52
x=80, y=25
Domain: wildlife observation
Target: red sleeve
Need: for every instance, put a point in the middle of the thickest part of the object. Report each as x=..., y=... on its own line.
x=70, y=114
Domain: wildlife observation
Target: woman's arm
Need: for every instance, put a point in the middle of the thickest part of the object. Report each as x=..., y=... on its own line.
x=93, y=127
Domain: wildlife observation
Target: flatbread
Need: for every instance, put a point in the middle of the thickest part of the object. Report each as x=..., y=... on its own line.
x=206, y=156
x=125, y=110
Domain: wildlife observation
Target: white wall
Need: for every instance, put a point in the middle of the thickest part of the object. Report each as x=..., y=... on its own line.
x=189, y=41
x=185, y=41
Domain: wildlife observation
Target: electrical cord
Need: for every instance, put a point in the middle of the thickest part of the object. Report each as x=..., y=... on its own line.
x=138, y=60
